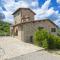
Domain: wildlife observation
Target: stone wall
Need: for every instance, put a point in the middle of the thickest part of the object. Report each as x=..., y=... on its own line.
x=27, y=15
x=17, y=17
x=23, y=15
x=30, y=28
x=27, y=29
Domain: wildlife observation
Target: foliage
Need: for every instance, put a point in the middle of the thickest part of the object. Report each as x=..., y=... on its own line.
x=51, y=41
x=40, y=37
x=44, y=39
x=57, y=42
x=4, y=28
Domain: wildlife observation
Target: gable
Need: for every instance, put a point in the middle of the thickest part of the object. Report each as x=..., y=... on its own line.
x=51, y=23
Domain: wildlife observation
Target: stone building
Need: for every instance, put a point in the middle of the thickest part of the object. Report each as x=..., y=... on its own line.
x=25, y=25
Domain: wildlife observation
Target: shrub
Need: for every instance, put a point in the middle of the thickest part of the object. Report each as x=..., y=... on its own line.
x=45, y=44
x=44, y=39
x=51, y=41
x=39, y=37
x=57, y=42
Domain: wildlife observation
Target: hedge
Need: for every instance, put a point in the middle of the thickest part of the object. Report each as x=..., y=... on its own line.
x=44, y=39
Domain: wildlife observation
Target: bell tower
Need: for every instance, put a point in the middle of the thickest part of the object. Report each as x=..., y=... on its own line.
x=23, y=15
x=27, y=15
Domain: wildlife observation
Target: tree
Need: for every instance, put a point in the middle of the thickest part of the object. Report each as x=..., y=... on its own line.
x=4, y=28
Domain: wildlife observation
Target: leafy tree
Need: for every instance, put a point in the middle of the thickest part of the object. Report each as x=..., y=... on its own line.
x=4, y=28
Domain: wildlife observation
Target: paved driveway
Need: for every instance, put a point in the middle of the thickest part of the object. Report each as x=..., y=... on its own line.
x=11, y=47
x=14, y=49
x=38, y=55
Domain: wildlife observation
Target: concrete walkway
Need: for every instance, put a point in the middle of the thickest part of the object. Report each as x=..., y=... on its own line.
x=14, y=49
x=11, y=47
x=38, y=55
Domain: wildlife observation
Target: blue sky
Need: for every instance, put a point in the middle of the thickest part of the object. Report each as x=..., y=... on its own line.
x=43, y=8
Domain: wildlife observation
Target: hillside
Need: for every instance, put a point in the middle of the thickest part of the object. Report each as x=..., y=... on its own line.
x=4, y=28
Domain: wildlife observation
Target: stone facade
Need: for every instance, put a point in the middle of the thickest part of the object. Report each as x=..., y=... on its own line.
x=23, y=15
x=25, y=25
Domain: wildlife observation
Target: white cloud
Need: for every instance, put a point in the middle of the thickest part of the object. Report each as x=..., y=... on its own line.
x=9, y=1
x=1, y=9
x=50, y=11
x=58, y=1
x=41, y=12
x=46, y=12
x=46, y=5
x=44, y=8
x=8, y=17
x=11, y=6
x=34, y=4
x=14, y=5
x=22, y=4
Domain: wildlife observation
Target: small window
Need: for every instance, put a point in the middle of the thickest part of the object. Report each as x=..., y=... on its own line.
x=53, y=29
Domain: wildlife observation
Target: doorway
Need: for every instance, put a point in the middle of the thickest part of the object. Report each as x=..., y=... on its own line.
x=31, y=39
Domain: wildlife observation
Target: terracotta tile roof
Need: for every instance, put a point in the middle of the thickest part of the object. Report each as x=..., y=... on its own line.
x=23, y=8
x=37, y=21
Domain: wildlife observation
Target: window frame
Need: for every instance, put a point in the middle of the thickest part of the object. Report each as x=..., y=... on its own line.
x=53, y=29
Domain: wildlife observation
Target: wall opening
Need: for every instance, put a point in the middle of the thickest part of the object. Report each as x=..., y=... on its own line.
x=31, y=39
x=16, y=32
x=53, y=29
